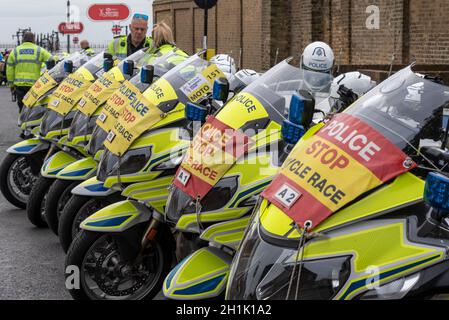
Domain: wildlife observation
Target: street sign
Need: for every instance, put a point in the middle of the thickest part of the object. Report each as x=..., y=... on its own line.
x=108, y=12
x=71, y=27
x=116, y=29
x=76, y=40
x=206, y=4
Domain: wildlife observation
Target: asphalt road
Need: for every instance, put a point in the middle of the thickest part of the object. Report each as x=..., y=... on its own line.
x=31, y=260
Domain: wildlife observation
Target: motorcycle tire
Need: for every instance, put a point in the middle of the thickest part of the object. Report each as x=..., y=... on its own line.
x=76, y=210
x=82, y=251
x=58, y=195
x=36, y=203
x=5, y=186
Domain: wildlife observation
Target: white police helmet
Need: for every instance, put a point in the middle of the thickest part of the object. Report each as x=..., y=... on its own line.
x=317, y=61
x=225, y=63
x=242, y=79
x=318, y=56
x=351, y=85
x=358, y=82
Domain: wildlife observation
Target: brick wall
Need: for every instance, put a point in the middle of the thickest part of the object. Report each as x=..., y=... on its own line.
x=269, y=29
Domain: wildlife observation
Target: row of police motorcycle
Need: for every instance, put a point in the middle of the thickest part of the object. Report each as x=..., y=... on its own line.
x=175, y=173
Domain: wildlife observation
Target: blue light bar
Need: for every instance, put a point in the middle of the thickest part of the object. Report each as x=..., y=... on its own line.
x=296, y=109
x=68, y=66
x=291, y=132
x=195, y=112
x=107, y=65
x=436, y=193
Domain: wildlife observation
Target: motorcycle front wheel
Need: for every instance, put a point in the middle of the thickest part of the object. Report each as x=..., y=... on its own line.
x=16, y=179
x=105, y=272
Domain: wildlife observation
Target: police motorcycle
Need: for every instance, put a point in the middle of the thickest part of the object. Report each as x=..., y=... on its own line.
x=52, y=134
x=153, y=65
x=20, y=168
x=86, y=191
x=93, y=194
x=345, y=218
x=209, y=230
x=141, y=157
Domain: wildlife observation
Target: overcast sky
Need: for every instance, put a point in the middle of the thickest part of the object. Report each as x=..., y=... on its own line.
x=45, y=15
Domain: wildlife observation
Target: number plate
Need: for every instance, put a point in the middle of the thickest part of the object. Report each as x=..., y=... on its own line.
x=111, y=136
x=183, y=177
x=287, y=196
x=102, y=117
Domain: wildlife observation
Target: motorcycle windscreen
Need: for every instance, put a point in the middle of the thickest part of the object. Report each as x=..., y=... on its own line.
x=374, y=141
x=113, y=107
x=190, y=81
x=236, y=129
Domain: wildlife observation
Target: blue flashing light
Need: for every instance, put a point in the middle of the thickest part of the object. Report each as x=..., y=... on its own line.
x=195, y=112
x=108, y=64
x=436, y=192
x=292, y=132
x=297, y=107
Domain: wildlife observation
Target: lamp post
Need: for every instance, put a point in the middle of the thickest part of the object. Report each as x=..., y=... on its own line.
x=68, y=21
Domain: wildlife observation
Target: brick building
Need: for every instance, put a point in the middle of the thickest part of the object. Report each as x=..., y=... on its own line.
x=263, y=31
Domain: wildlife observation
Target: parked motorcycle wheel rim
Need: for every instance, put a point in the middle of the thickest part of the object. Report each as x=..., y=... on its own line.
x=17, y=171
x=136, y=292
x=85, y=212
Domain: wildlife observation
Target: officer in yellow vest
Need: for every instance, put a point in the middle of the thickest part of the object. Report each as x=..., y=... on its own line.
x=124, y=46
x=23, y=67
x=85, y=46
x=164, y=42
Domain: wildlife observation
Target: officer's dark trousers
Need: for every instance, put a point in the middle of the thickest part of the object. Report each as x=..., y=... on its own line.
x=20, y=93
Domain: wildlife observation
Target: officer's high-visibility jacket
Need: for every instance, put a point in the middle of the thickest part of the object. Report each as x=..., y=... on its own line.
x=24, y=64
x=119, y=46
x=89, y=51
x=166, y=48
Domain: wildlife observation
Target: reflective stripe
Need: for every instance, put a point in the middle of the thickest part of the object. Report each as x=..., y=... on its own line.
x=25, y=80
x=38, y=55
x=27, y=61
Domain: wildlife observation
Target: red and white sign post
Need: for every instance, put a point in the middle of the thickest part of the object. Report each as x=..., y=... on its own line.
x=108, y=12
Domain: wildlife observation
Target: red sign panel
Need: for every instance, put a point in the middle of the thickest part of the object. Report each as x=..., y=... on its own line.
x=108, y=12
x=71, y=27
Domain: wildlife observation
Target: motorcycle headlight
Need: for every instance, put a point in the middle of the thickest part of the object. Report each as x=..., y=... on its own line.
x=132, y=162
x=179, y=203
x=82, y=125
x=262, y=271
x=54, y=121
x=97, y=140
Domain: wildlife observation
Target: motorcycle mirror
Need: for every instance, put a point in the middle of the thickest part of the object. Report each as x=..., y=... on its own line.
x=68, y=66
x=50, y=64
x=147, y=74
x=108, y=64
x=221, y=90
x=302, y=108
x=128, y=68
x=195, y=112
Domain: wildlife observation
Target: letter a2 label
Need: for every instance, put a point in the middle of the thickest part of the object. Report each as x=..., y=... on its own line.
x=287, y=195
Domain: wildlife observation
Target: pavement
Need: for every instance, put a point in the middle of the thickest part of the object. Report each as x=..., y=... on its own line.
x=31, y=259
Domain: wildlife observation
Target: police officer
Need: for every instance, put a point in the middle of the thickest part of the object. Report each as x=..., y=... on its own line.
x=124, y=46
x=23, y=67
x=84, y=44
